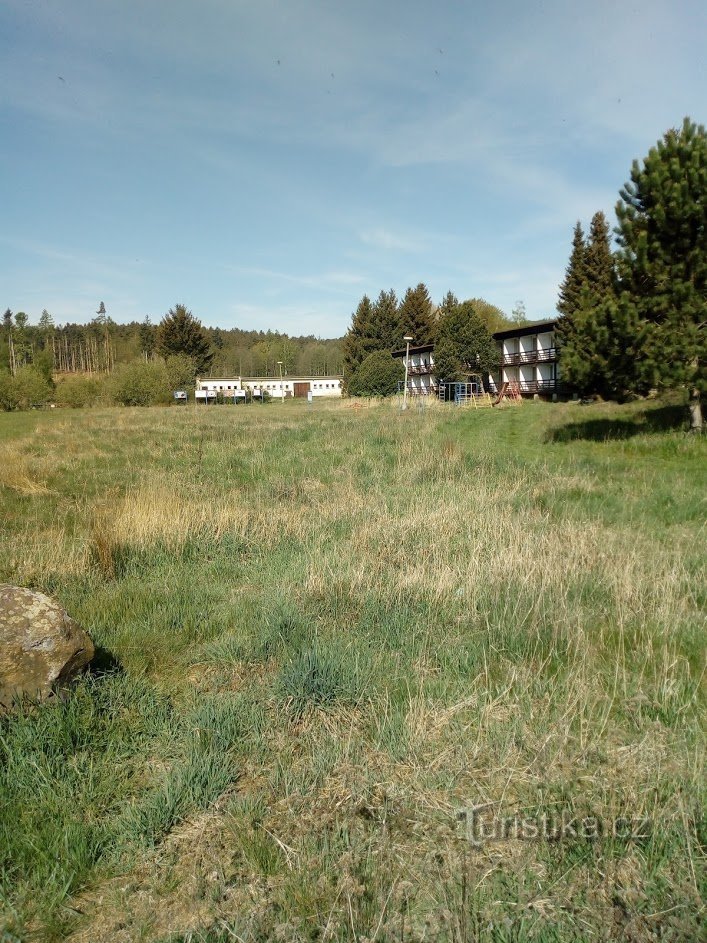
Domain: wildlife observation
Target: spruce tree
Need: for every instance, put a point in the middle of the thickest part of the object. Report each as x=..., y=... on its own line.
x=415, y=315
x=180, y=332
x=575, y=275
x=447, y=364
x=598, y=259
x=466, y=342
x=387, y=332
x=585, y=348
x=378, y=375
x=662, y=234
x=358, y=342
x=447, y=306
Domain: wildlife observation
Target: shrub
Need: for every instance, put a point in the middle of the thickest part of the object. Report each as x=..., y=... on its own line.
x=8, y=394
x=378, y=375
x=181, y=371
x=78, y=391
x=27, y=387
x=141, y=384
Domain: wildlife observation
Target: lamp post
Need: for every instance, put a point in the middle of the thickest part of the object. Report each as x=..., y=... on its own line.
x=407, y=340
x=282, y=388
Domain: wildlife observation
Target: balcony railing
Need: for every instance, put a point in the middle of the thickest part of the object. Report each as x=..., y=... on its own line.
x=542, y=354
x=419, y=369
x=537, y=386
x=417, y=390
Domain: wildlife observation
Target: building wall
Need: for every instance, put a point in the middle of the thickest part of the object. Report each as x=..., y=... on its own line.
x=421, y=382
x=318, y=386
x=528, y=359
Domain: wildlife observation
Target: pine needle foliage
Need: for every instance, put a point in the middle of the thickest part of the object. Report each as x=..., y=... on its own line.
x=662, y=234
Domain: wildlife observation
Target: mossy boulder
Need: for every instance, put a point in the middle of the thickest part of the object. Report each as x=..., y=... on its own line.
x=41, y=647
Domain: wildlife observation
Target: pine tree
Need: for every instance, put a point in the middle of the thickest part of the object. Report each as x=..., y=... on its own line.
x=180, y=332
x=415, y=315
x=662, y=234
x=7, y=321
x=575, y=275
x=604, y=356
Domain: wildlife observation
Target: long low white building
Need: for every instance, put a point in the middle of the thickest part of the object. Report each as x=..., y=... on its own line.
x=287, y=387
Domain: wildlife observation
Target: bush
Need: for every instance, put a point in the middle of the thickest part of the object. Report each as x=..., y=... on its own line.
x=26, y=388
x=78, y=391
x=378, y=375
x=181, y=371
x=141, y=384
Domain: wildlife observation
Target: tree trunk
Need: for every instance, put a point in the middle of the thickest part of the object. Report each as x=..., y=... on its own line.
x=695, y=407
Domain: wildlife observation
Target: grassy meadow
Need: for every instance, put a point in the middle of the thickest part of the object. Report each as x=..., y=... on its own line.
x=325, y=632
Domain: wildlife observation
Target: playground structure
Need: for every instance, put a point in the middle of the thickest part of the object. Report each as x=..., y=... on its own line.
x=470, y=392
x=465, y=393
x=509, y=392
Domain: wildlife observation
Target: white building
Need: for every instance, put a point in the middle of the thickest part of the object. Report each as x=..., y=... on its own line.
x=287, y=387
x=421, y=381
x=528, y=358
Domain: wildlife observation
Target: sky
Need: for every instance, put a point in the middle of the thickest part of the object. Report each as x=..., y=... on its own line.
x=267, y=163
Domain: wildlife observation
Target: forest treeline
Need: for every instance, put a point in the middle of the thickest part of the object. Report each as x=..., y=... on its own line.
x=102, y=344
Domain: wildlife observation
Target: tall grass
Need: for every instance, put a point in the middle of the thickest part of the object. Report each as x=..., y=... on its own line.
x=332, y=630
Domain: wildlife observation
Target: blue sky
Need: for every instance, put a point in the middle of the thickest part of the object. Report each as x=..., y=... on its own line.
x=268, y=162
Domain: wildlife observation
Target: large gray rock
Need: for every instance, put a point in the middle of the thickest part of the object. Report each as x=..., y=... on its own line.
x=41, y=647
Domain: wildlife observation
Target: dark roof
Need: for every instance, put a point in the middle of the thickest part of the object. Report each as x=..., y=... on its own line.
x=424, y=349
x=534, y=327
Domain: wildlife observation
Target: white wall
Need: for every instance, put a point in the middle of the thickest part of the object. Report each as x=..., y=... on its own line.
x=546, y=341
x=319, y=386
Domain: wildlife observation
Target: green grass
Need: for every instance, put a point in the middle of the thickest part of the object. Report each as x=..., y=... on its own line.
x=321, y=633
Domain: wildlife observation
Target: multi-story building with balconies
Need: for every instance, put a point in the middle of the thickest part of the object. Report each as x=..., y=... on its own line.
x=528, y=361
x=528, y=358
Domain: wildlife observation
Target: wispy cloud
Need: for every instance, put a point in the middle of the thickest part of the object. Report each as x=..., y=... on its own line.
x=324, y=281
x=381, y=238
